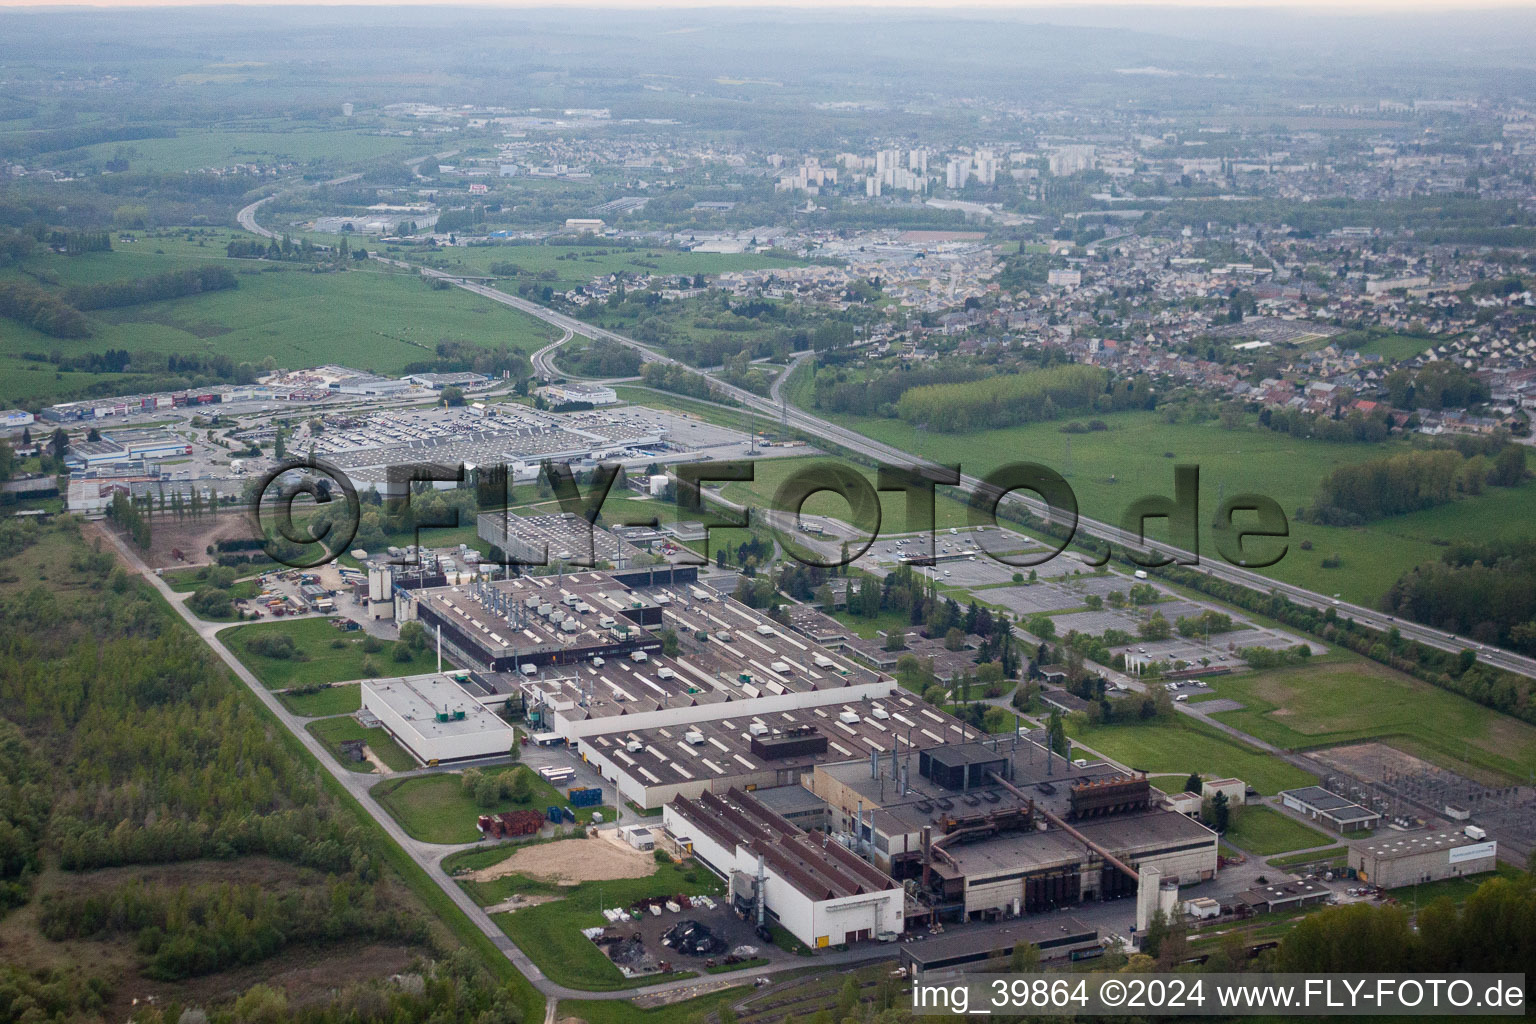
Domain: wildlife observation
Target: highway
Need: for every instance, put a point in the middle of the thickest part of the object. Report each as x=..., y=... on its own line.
x=544, y=359
x=825, y=430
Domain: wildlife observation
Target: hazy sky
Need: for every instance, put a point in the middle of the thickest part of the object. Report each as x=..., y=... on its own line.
x=1316, y=6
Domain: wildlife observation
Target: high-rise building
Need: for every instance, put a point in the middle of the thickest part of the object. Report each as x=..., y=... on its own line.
x=958, y=173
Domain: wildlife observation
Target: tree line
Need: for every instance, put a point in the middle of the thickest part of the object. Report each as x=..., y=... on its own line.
x=196, y=930
x=1485, y=590
x=1494, y=932
x=676, y=379
x=133, y=291
x=1011, y=399
x=42, y=310
x=1411, y=481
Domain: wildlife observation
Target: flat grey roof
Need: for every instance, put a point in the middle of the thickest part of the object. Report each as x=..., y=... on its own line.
x=1330, y=804
x=1393, y=847
x=665, y=757
x=419, y=699
x=1046, y=932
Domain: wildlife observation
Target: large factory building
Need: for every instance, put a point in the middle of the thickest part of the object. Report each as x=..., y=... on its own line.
x=1398, y=860
x=817, y=890
x=1003, y=827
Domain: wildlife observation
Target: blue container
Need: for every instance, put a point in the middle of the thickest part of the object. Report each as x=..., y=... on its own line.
x=587, y=796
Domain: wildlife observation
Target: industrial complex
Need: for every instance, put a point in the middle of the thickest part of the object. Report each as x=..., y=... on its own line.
x=686, y=700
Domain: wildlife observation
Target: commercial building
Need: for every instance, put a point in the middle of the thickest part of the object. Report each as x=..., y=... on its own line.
x=527, y=623
x=1338, y=813
x=15, y=419
x=122, y=446
x=818, y=891
x=1235, y=790
x=1399, y=860
x=570, y=394
x=436, y=720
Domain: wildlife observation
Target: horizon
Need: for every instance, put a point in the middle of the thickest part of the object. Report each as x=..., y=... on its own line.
x=1353, y=7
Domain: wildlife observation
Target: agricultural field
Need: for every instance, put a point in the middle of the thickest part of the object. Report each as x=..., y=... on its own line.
x=1182, y=746
x=321, y=653
x=334, y=731
x=366, y=317
x=1135, y=457
x=1261, y=831
x=189, y=150
x=1344, y=699
x=435, y=809
x=573, y=265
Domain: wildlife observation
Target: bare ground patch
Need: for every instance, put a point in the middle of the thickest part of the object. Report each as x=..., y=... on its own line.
x=571, y=861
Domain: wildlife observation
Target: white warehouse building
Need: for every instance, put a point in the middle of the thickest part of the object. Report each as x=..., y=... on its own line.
x=820, y=892
x=435, y=720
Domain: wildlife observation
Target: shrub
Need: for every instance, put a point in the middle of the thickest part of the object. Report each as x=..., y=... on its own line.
x=273, y=645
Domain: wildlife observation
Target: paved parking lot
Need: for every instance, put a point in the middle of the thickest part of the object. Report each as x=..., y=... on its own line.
x=1031, y=600
x=1096, y=622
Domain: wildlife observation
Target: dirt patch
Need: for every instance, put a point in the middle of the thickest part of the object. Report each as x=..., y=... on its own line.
x=379, y=767
x=191, y=537
x=571, y=861
x=1371, y=760
x=517, y=901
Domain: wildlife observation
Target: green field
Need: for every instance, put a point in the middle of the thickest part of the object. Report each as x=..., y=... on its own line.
x=577, y=264
x=1346, y=699
x=366, y=317
x=1110, y=469
x=435, y=809
x=193, y=149
x=1183, y=746
x=550, y=933
x=330, y=700
x=332, y=731
x=184, y=581
x=1262, y=831
x=324, y=654
x=1391, y=347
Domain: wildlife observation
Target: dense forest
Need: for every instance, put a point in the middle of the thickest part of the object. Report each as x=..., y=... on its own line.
x=1485, y=590
x=124, y=743
x=42, y=310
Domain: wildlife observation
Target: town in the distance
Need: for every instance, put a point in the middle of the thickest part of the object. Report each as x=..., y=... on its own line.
x=517, y=515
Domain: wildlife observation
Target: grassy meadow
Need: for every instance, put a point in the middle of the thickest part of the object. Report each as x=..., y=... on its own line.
x=367, y=317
